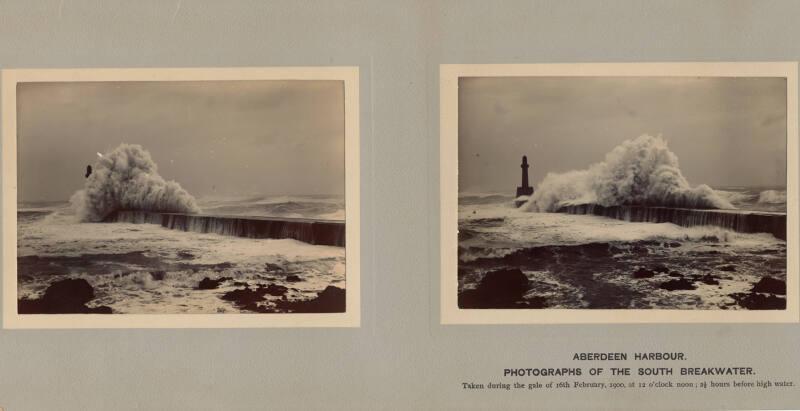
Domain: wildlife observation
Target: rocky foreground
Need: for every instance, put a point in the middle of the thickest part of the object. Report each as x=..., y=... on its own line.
x=71, y=296
x=509, y=288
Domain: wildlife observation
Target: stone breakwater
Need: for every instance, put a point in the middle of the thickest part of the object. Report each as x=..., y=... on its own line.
x=317, y=232
x=735, y=220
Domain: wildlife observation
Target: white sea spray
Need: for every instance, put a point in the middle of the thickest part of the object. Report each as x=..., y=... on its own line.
x=127, y=179
x=641, y=171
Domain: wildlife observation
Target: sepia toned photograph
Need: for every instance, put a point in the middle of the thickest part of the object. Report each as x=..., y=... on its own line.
x=622, y=193
x=183, y=196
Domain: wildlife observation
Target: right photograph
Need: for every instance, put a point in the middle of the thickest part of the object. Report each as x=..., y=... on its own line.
x=622, y=192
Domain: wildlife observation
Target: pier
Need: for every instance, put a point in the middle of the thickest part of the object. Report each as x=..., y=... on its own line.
x=742, y=221
x=312, y=231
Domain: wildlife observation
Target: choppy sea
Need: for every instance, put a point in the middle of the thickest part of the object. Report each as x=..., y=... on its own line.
x=585, y=261
x=146, y=268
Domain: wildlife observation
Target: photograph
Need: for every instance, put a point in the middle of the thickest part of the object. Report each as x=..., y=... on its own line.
x=625, y=192
x=186, y=196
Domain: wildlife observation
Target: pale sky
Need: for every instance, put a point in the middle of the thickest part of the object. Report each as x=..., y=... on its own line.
x=215, y=138
x=725, y=131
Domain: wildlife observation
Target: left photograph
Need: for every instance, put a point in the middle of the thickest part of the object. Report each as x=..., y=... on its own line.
x=159, y=193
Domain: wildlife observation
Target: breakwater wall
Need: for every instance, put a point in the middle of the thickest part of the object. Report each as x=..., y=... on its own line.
x=318, y=232
x=736, y=220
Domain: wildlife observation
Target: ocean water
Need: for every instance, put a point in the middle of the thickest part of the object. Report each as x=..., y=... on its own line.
x=311, y=206
x=586, y=261
x=145, y=268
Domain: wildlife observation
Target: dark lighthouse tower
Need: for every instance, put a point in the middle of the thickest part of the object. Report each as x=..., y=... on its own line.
x=524, y=189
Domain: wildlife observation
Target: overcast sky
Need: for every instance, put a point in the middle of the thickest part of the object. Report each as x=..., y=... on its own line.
x=725, y=131
x=216, y=138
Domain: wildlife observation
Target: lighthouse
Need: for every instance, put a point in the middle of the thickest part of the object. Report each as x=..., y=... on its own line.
x=524, y=189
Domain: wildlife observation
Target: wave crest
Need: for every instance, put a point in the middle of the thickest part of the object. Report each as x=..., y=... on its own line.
x=641, y=171
x=127, y=179
x=772, y=197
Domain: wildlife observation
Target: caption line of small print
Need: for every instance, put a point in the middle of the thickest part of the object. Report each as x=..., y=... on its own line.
x=626, y=385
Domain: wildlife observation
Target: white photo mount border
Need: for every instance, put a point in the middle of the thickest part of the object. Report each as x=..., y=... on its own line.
x=352, y=315
x=450, y=313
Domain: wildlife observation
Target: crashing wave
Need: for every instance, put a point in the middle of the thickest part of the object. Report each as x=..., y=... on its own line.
x=772, y=197
x=641, y=171
x=127, y=179
x=737, y=197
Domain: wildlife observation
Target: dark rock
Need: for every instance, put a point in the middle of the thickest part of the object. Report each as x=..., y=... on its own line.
x=472, y=298
x=254, y=307
x=507, y=284
x=209, y=284
x=727, y=268
x=158, y=275
x=534, y=302
x=274, y=289
x=709, y=279
x=244, y=296
x=675, y=274
x=643, y=273
x=69, y=291
x=248, y=299
x=660, y=268
x=503, y=288
x=330, y=300
x=67, y=296
x=293, y=278
x=504, y=285
x=273, y=267
x=639, y=249
x=679, y=284
x=770, y=285
x=185, y=255
x=100, y=310
x=673, y=245
x=756, y=301
x=595, y=250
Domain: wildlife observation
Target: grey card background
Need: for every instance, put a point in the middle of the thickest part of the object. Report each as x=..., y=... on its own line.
x=400, y=358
